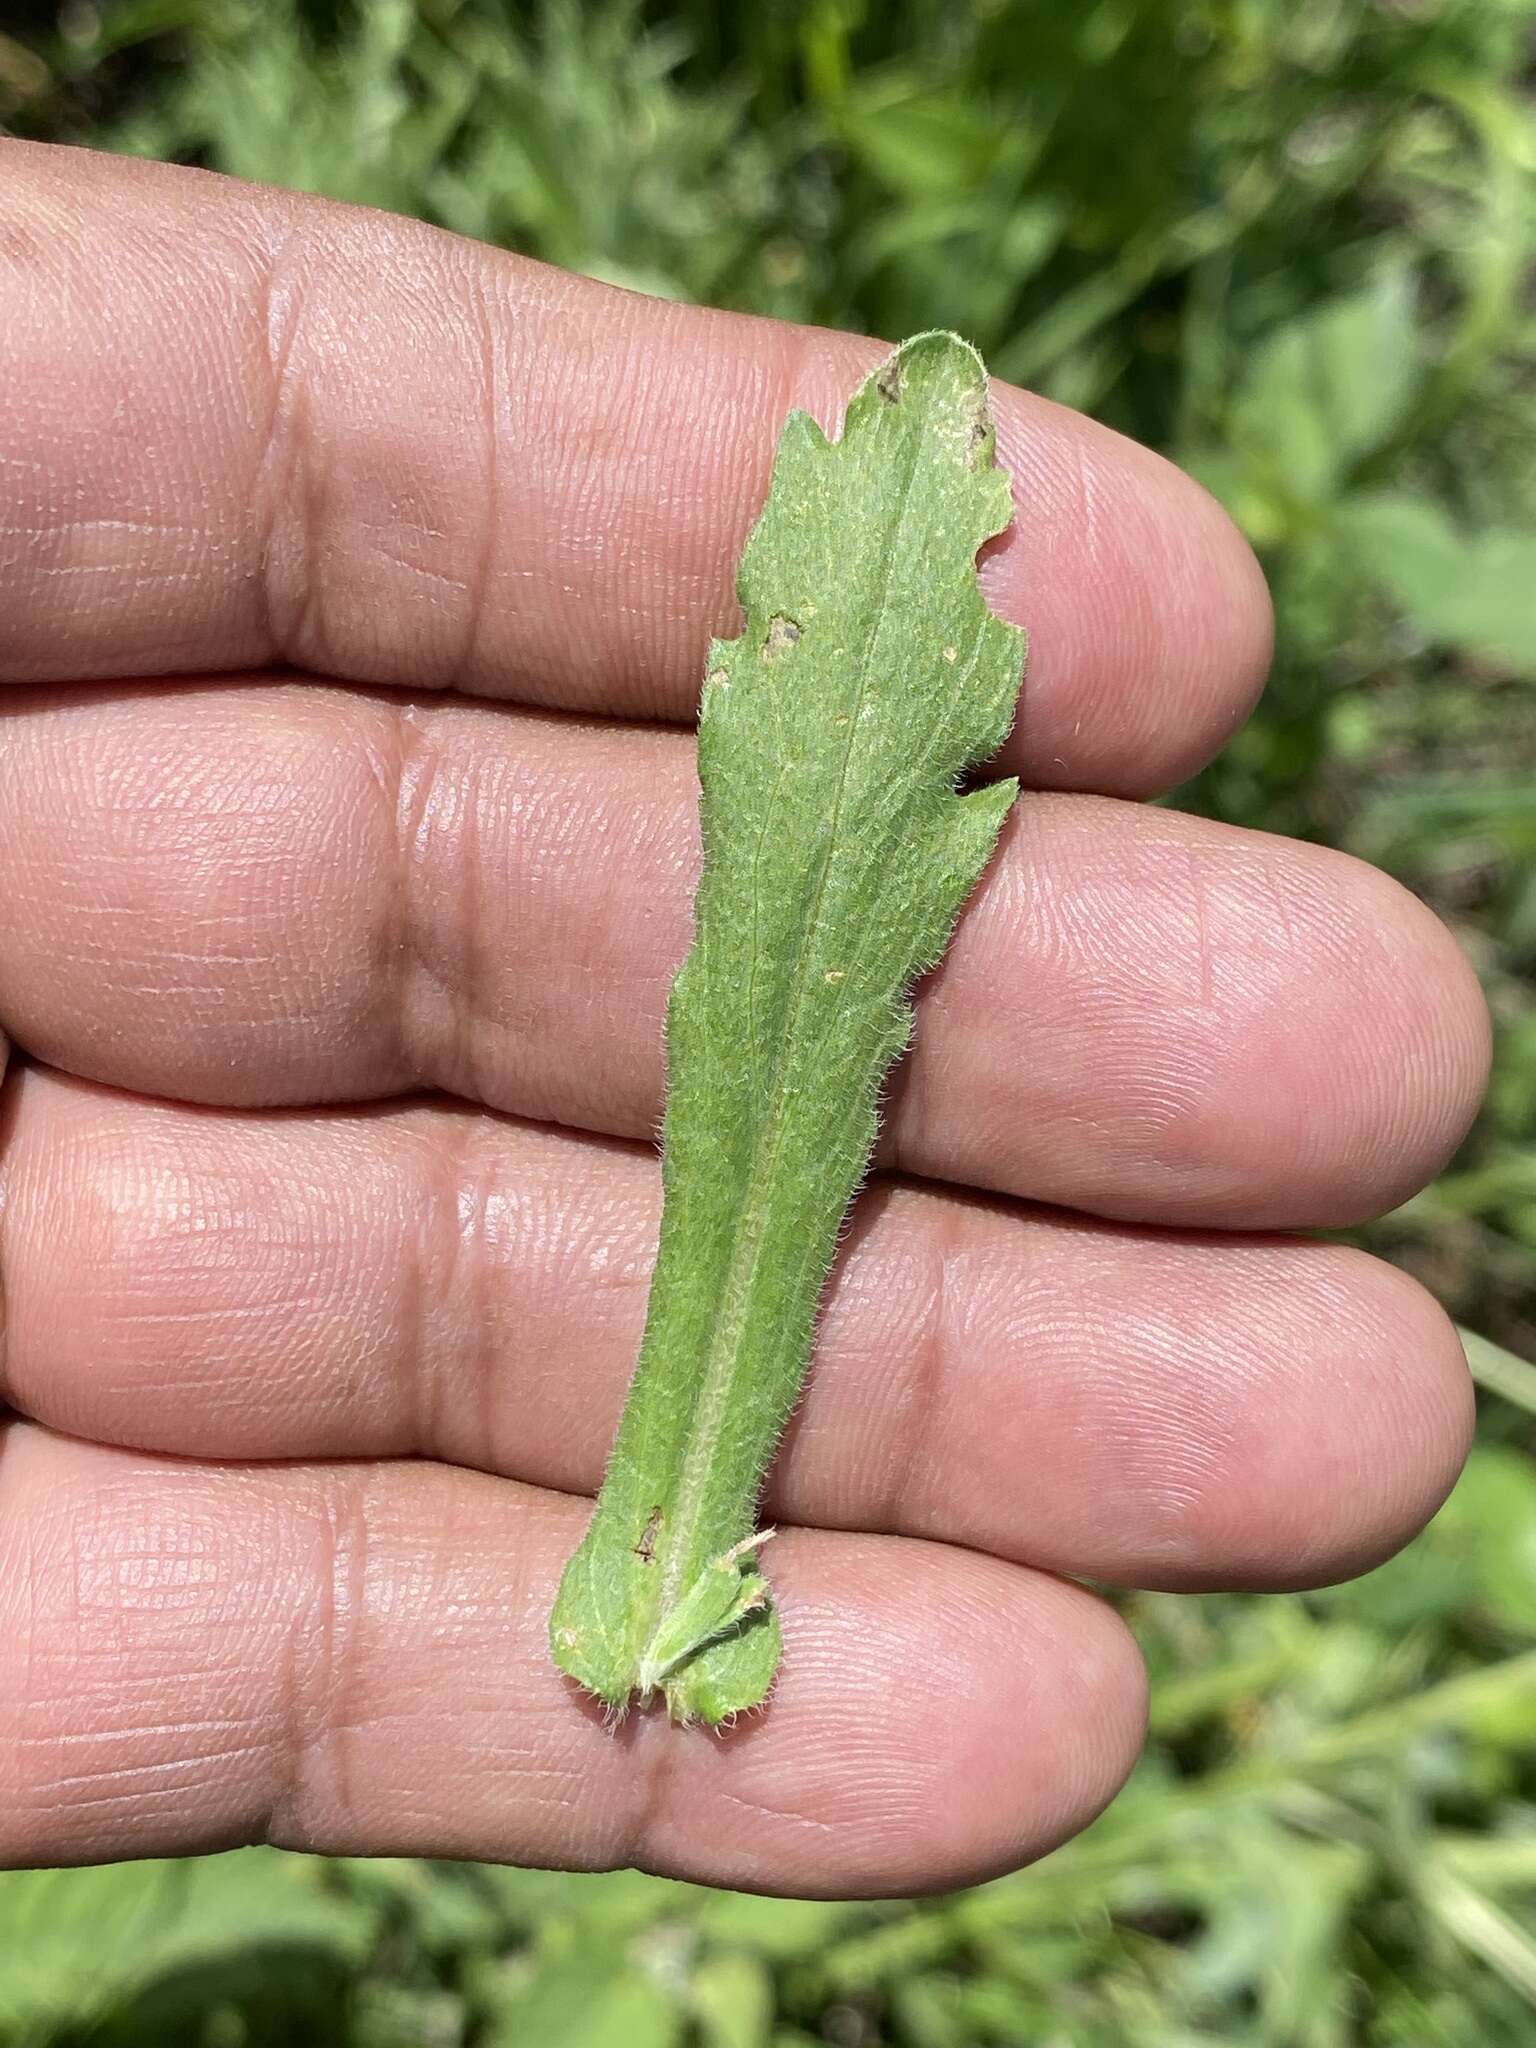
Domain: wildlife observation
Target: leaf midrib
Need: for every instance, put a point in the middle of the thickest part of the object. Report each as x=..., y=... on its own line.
x=751, y=1219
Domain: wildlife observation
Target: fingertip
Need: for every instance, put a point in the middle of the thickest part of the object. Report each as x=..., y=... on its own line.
x=1345, y=1433
x=1434, y=1424
x=1097, y=1700
x=1400, y=1049
x=1393, y=1471
x=1339, y=1048
x=1376, y=1485
x=1150, y=622
x=1034, y=1694
x=1456, y=1059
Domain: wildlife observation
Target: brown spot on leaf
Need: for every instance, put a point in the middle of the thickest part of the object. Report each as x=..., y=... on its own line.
x=888, y=382
x=782, y=634
x=645, y=1549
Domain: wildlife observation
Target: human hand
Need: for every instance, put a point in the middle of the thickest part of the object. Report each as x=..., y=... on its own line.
x=354, y=584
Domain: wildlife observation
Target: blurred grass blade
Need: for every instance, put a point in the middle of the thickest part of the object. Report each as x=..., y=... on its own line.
x=1499, y=1371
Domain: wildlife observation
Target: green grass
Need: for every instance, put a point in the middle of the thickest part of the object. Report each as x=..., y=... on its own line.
x=1290, y=242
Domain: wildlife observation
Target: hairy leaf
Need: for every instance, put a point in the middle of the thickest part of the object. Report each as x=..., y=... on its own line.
x=837, y=854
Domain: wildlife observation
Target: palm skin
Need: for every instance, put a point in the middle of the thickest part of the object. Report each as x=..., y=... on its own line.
x=353, y=586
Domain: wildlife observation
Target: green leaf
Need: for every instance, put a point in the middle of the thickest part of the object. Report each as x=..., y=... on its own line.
x=1490, y=1522
x=1328, y=388
x=920, y=144
x=837, y=854
x=1469, y=591
x=783, y=1929
x=574, y=2001
x=598, y=1905
x=732, y=2002
x=78, y=1943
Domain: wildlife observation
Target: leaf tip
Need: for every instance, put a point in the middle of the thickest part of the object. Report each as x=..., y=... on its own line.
x=943, y=374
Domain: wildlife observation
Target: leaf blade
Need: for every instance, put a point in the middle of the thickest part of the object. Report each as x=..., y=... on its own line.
x=869, y=677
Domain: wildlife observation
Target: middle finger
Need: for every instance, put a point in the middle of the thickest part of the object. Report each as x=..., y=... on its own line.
x=264, y=894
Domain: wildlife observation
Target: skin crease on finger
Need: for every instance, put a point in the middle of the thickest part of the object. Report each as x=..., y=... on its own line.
x=417, y=1280
x=416, y=461
x=351, y=1659
x=260, y=894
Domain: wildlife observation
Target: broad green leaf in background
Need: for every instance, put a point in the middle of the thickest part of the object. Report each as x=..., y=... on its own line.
x=732, y=2002
x=577, y=2001
x=1490, y=1520
x=1329, y=387
x=1478, y=1555
x=837, y=854
x=1472, y=591
x=919, y=143
x=80, y=1944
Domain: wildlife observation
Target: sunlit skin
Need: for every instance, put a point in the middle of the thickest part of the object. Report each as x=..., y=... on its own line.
x=354, y=584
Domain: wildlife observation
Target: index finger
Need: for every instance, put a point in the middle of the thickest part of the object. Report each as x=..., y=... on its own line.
x=244, y=427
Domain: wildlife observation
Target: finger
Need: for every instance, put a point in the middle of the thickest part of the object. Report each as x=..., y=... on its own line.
x=370, y=449
x=1128, y=1406
x=274, y=895
x=354, y=1659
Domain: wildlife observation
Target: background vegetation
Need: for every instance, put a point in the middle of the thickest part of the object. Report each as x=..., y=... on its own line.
x=1289, y=241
